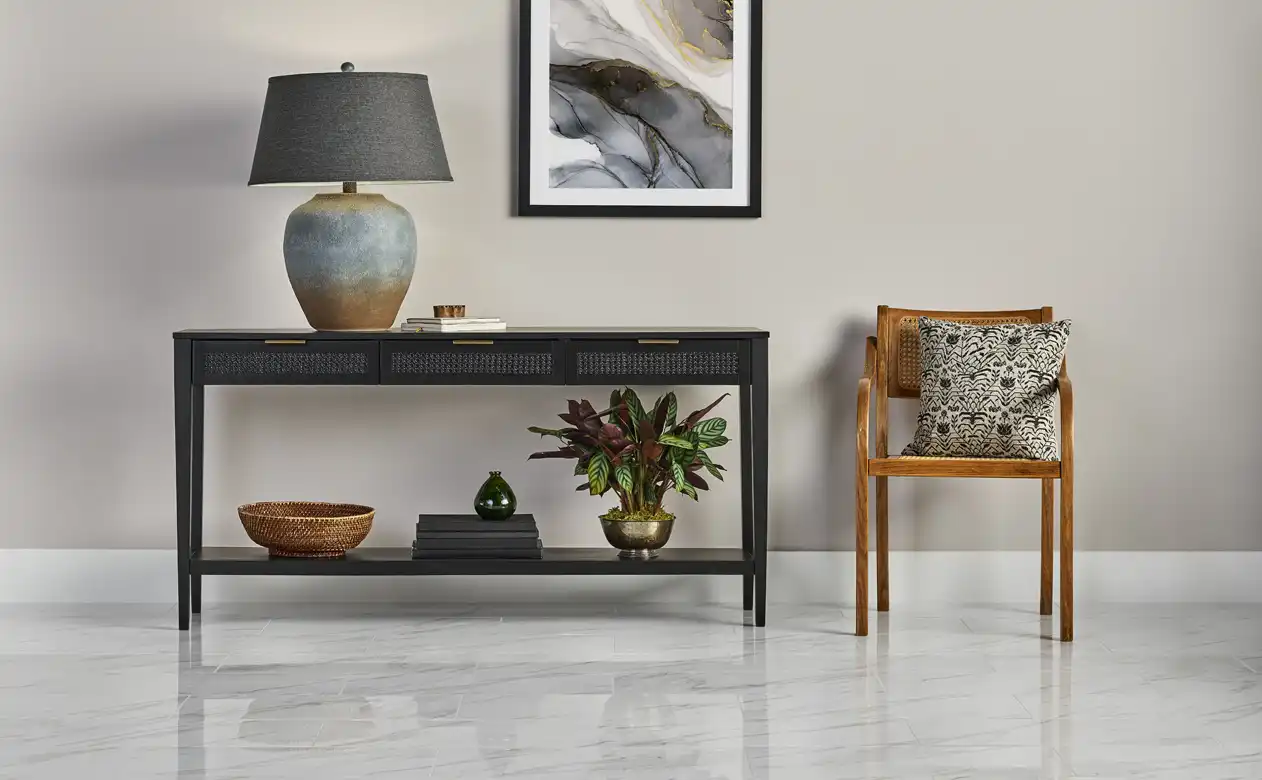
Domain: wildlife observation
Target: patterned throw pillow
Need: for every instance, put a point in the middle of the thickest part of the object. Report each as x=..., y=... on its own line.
x=986, y=391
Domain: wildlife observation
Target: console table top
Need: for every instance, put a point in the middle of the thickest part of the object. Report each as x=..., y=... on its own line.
x=511, y=333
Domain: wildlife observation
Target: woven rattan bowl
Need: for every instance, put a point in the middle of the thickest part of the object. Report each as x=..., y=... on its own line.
x=306, y=529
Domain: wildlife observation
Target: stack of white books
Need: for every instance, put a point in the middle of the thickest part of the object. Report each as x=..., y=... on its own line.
x=451, y=324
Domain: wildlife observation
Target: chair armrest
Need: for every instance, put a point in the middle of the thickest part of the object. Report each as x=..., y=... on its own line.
x=863, y=410
x=1066, y=388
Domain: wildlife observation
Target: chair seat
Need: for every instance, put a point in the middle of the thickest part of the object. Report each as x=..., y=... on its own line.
x=922, y=466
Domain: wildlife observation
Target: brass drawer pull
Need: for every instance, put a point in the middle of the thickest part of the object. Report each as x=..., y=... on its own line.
x=481, y=343
x=659, y=341
x=285, y=341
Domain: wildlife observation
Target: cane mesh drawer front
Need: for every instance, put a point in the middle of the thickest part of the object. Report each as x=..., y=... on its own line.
x=286, y=362
x=650, y=361
x=472, y=361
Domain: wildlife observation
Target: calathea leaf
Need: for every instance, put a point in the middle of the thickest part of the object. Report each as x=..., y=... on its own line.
x=689, y=491
x=557, y=432
x=672, y=411
x=598, y=473
x=681, y=478
x=717, y=441
x=617, y=413
x=582, y=487
x=696, y=416
x=675, y=441
x=660, y=411
x=622, y=415
x=622, y=475
x=582, y=416
x=634, y=408
x=651, y=450
x=715, y=469
x=696, y=480
x=610, y=432
x=619, y=449
x=580, y=468
x=564, y=452
x=708, y=430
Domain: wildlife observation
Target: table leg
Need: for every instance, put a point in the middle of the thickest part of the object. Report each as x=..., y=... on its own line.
x=747, y=489
x=758, y=362
x=183, y=469
x=195, y=537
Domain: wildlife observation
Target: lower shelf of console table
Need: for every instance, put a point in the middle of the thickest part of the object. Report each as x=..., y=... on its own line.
x=393, y=561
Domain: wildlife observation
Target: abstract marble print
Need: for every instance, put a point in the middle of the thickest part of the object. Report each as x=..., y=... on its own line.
x=635, y=111
x=987, y=391
x=637, y=103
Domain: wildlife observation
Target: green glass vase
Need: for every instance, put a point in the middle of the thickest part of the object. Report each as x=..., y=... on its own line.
x=495, y=499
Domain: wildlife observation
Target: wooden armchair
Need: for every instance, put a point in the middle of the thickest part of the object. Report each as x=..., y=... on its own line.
x=892, y=365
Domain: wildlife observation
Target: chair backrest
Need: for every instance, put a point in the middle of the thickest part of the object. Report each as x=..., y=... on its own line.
x=898, y=339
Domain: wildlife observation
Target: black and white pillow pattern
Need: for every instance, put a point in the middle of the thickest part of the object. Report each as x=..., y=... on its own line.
x=986, y=391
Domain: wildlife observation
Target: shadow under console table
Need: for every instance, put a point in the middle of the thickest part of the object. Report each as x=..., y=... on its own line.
x=521, y=356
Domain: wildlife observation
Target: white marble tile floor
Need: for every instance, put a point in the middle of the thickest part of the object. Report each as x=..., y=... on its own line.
x=628, y=693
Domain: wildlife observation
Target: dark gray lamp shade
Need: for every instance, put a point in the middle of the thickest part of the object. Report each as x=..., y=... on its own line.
x=329, y=128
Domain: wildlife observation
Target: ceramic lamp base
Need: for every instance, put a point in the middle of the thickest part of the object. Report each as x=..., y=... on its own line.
x=350, y=258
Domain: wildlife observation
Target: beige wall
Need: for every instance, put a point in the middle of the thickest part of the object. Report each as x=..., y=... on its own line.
x=1105, y=158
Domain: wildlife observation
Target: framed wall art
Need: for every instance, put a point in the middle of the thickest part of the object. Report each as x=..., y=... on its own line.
x=631, y=108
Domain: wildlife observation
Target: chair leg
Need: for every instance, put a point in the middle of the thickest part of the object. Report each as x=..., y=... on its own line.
x=1045, y=547
x=1067, y=554
x=882, y=544
x=861, y=550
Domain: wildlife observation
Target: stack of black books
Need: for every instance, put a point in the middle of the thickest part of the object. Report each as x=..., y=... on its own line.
x=469, y=536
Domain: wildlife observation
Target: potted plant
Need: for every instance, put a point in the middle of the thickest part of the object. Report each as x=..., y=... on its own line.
x=640, y=455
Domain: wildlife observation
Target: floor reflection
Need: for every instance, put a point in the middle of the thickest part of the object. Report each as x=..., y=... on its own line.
x=617, y=717
x=645, y=692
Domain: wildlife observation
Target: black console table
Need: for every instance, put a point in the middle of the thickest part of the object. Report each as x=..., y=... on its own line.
x=521, y=356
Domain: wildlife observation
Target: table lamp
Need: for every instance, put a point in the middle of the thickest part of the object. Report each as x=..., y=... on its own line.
x=350, y=255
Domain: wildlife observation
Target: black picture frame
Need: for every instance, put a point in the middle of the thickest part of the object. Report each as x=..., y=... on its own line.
x=523, y=206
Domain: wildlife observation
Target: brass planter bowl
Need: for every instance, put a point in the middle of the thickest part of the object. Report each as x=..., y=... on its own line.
x=306, y=529
x=640, y=539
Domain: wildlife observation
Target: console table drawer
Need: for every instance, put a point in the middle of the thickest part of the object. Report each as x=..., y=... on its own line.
x=471, y=361
x=285, y=362
x=658, y=361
